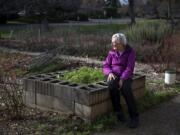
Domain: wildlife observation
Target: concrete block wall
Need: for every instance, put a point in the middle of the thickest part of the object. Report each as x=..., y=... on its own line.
x=101, y=102
x=87, y=101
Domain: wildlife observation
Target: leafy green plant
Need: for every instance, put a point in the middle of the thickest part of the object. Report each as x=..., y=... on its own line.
x=84, y=75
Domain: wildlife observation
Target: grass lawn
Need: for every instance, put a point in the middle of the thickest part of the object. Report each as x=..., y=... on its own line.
x=4, y=33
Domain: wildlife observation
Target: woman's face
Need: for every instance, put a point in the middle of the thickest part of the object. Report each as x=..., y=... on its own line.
x=117, y=46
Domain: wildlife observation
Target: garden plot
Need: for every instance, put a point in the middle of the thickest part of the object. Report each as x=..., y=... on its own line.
x=85, y=100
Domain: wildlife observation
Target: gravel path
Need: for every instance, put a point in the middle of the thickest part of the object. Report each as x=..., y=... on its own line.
x=161, y=120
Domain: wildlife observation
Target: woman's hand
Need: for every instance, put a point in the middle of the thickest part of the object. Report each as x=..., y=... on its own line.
x=110, y=77
x=120, y=83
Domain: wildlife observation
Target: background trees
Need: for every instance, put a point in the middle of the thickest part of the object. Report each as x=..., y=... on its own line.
x=60, y=10
x=9, y=9
x=131, y=11
x=42, y=8
x=50, y=8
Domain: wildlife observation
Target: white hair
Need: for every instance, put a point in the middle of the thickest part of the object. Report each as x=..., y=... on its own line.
x=119, y=38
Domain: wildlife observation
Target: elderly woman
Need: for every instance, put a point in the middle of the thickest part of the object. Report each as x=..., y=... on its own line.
x=118, y=69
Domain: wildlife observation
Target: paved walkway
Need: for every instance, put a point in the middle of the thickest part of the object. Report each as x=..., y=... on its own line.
x=70, y=23
x=161, y=120
x=9, y=50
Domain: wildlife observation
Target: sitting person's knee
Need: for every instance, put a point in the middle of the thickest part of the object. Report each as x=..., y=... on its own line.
x=127, y=84
x=112, y=84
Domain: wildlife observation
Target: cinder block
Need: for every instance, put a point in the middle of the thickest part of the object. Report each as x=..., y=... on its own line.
x=83, y=95
x=88, y=101
x=29, y=90
x=29, y=84
x=63, y=105
x=63, y=91
x=138, y=82
x=44, y=87
x=178, y=76
x=54, y=103
x=103, y=92
x=102, y=83
x=91, y=94
x=138, y=93
x=29, y=97
x=90, y=113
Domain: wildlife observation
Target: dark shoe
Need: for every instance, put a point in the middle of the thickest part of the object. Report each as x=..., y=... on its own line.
x=134, y=123
x=121, y=118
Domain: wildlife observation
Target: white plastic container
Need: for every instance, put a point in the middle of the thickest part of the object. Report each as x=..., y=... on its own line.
x=170, y=77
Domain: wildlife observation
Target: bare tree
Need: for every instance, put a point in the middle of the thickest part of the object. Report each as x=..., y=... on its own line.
x=69, y=5
x=131, y=8
x=7, y=8
x=165, y=8
x=170, y=14
x=114, y=3
x=131, y=11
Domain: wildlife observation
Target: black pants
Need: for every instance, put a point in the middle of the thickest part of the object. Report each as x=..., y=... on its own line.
x=126, y=91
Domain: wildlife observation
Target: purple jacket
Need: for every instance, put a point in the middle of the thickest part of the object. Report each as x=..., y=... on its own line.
x=121, y=65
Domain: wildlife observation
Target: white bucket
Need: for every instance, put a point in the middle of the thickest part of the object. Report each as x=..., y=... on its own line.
x=170, y=76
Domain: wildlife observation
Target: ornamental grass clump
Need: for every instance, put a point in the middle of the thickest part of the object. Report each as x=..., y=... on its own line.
x=84, y=75
x=151, y=31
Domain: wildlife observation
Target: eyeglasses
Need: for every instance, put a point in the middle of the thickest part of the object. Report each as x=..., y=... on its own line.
x=114, y=44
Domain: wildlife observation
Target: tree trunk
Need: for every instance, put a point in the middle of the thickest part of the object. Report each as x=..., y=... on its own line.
x=170, y=16
x=114, y=3
x=131, y=11
x=3, y=19
x=44, y=24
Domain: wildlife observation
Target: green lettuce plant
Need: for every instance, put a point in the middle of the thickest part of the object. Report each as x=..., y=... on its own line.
x=84, y=75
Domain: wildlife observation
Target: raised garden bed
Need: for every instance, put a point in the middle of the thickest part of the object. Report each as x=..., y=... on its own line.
x=87, y=101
